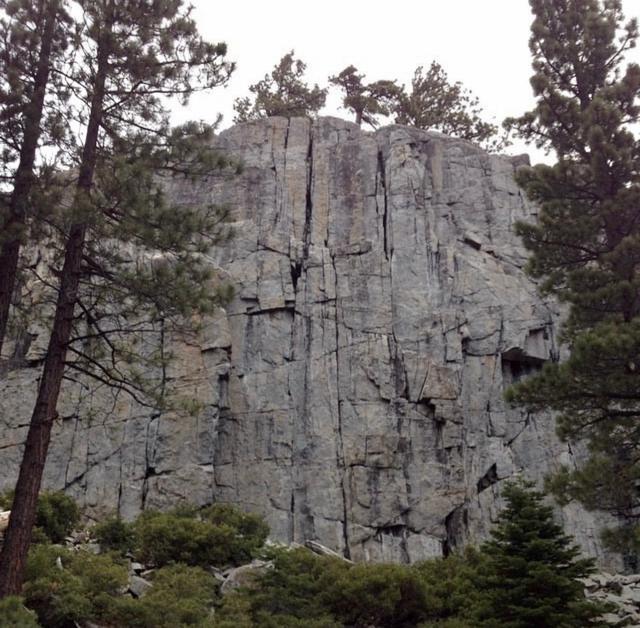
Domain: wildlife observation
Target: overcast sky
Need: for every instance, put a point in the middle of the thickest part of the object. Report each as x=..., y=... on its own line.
x=482, y=43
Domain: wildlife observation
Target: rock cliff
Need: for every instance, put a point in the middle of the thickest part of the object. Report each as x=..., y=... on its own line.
x=352, y=391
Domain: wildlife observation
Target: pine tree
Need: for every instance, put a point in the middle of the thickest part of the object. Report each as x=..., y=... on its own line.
x=596, y=395
x=131, y=55
x=530, y=578
x=282, y=93
x=585, y=246
x=435, y=103
x=366, y=100
x=33, y=38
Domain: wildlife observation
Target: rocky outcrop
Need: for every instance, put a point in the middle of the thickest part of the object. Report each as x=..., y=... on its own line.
x=352, y=392
x=620, y=593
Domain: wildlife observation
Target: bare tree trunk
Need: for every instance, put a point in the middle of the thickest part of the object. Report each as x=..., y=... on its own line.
x=19, y=201
x=23, y=511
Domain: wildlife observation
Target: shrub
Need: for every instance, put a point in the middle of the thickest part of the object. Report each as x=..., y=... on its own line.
x=304, y=589
x=287, y=621
x=65, y=587
x=56, y=517
x=451, y=586
x=296, y=583
x=450, y=623
x=13, y=614
x=251, y=530
x=180, y=596
x=218, y=536
x=115, y=534
x=235, y=612
x=84, y=587
x=164, y=538
x=392, y=596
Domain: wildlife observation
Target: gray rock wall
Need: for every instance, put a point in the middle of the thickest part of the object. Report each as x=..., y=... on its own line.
x=352, y=391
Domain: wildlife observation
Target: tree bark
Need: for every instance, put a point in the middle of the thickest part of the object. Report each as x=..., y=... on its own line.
x=23, y=510
x=19, y=200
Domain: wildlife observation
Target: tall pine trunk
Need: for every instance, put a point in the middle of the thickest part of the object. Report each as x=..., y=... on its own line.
x=23, y=510
x=19, y=200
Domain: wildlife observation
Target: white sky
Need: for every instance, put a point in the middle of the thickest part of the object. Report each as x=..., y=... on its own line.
x=482, y=43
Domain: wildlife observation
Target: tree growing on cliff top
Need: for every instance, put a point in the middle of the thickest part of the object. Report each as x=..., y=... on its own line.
x=366, y=100
x=531, y=575
x=282, y=93
x=129, y=56
x=433, y=103
x=585, y=246
x=437, y=104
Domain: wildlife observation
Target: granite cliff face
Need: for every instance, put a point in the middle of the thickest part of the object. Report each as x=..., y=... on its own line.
x=353, y=388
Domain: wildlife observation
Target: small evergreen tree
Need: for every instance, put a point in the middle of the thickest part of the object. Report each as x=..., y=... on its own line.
x=531, y=576
x=435, y=103
x=366, y=100
x=282, y=93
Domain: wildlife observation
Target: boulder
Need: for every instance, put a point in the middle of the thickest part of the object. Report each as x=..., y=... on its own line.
x=244, y=576
x=138, y=586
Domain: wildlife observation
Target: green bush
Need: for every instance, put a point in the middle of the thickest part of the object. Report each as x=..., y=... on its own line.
x=390, y=596
x=292, y=591
x=450, y=623
x=63, y=587
x=57, y=515
x=164, y=538
x=237, y=612
x=180, y=596
x=304, y=589
x=451, y=586
x=234, y=612
x=251, y=531
x=116, y=535
x=13, y=614
x=218, y=536
x=265, y=620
